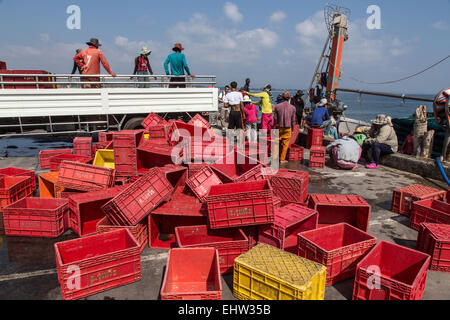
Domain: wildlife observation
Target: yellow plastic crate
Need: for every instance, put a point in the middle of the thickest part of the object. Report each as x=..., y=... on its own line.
x=268, y=273
x=105, y=158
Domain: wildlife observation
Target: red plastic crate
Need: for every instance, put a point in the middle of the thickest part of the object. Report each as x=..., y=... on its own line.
x=317, y=154
x=254, y=174
x=317, y=164
x=47, y=185
x=402, y=273
x=434, y=239
x=192, y=274
x=85, y=177
x=153, y=119
x=55, y=161
x=104, y=261
x=205, y=151
x=431, y=211
x=153, y=155
x=334, y=209
x=86, y=209
x=163, y=221
x=36, y=217
x=105, y=136
x=82, y=146
x=13, y=189
x=180, y=131
x=177, y=175
x=107, y=145
x=44, y=156
x=290, y=185
x=15, y=172
x=139, y=232
x=125, y=152
x=133, y=204
x=403, y=198
x=339, y=247
x=289, y=221
x=240, y=204
x=295, y=153
x=199, y=120
x=235, y=164
x=229, y=243
x=276, y=202
x=315, y=138
x=202, y=181
x=193, y=168
x=157, y=132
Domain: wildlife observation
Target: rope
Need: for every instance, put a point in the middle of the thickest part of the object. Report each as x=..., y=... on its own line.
x=399, y=80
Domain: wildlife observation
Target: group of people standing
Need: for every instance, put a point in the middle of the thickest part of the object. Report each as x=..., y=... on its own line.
x=246, y=116
x=87, y=62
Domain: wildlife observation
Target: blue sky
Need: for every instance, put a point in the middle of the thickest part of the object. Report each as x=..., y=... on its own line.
x=276, y=42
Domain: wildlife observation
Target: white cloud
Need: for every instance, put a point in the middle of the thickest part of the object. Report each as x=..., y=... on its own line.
x=45, y=37
x=441, y=25
x=232, y=12
x=277, y=16
x=259, y=37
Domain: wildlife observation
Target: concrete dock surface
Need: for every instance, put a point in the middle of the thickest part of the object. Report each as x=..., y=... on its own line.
x=28, y=269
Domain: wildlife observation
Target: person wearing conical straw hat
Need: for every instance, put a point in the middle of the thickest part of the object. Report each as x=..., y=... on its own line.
x=142, y=67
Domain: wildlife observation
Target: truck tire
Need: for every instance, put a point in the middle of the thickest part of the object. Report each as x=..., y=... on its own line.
x=134, y=124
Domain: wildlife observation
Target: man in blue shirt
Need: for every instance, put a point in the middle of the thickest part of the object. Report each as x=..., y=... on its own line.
x=178, y=64
x=321, y=118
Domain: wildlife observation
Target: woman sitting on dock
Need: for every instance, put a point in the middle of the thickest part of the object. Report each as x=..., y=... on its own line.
x=382, y=140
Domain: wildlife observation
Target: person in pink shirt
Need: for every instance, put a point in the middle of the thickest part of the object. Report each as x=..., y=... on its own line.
x=251, y=120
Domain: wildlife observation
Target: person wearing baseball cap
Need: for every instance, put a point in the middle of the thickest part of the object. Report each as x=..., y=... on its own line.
x=89, y=62
x=284, y=120
x=178, y=65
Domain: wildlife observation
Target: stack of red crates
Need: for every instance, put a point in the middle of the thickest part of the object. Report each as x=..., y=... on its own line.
x=125, y=152
x=430, y=211
x=82, y=146
x=403, y=198
x=317, y=157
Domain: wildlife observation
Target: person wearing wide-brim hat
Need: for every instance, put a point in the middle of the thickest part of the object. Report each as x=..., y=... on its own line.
x=142, y=67
x=89, y=61
x=178, y=65
x=382, y=141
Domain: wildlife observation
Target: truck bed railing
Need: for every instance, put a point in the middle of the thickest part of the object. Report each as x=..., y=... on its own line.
x=55, y=81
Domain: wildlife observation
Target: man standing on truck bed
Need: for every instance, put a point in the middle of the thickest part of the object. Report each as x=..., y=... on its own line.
x=89, y=62
x=178, y=64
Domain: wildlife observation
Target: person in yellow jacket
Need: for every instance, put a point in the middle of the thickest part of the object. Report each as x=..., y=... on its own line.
x=266, y=107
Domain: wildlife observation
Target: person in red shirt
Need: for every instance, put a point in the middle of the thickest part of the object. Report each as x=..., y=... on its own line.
x=89, y=62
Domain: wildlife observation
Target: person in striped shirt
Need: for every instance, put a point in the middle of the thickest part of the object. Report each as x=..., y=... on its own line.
x=142, y=67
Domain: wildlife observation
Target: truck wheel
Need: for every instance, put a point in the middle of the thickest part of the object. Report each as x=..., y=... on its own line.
x=134, y=124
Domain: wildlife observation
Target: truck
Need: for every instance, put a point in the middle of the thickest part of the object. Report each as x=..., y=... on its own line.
x=37, y=102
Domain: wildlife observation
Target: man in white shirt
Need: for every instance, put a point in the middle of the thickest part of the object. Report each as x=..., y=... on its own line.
x=224, y=113
x=235, y=101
